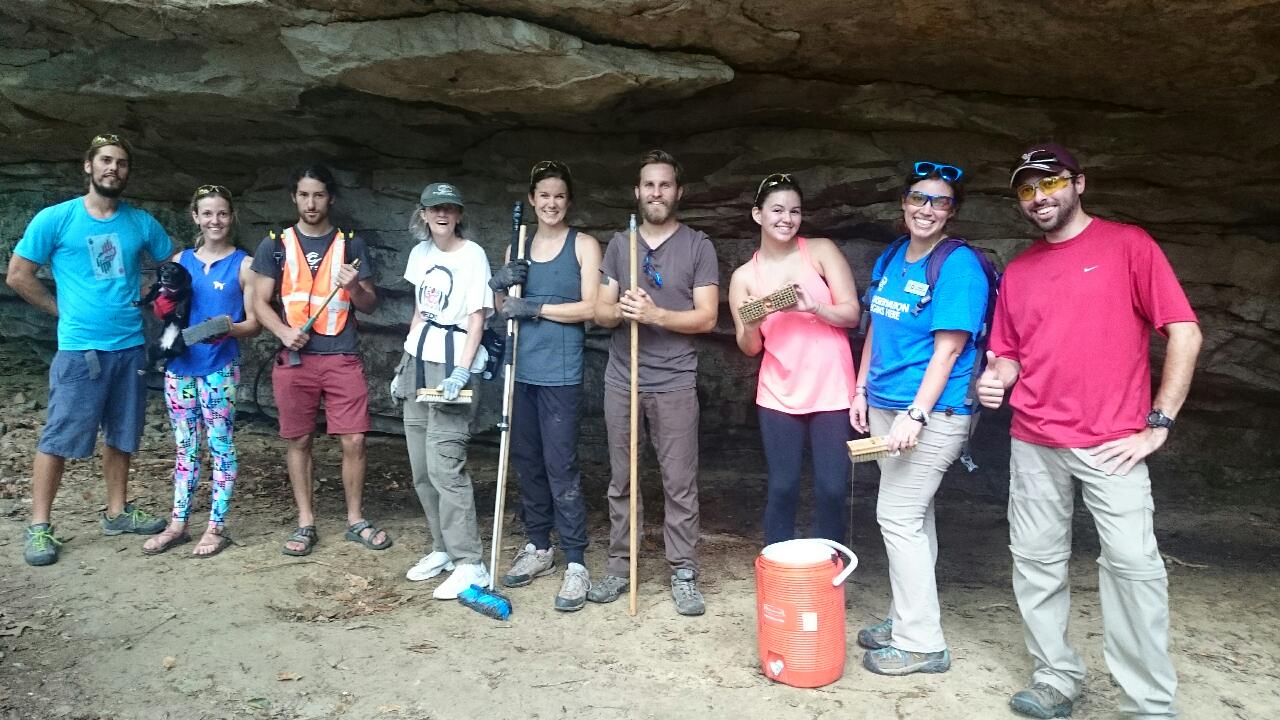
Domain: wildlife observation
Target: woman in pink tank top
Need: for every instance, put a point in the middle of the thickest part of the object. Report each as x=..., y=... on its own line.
x=806, y=372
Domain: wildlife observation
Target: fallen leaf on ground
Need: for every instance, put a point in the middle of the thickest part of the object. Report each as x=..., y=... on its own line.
x=287, y=676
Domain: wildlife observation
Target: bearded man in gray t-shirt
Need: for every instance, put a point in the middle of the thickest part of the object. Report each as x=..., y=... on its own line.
x=677, y=296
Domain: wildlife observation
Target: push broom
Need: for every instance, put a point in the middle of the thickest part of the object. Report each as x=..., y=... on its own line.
x=488, y=601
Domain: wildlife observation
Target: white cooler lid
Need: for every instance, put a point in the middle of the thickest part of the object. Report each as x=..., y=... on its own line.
x=798, y=552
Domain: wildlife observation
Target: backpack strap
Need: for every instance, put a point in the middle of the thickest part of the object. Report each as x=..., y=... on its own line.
x=932, y=271
x=877, y=274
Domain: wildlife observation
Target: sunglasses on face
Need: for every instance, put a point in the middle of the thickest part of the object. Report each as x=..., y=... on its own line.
x=1047, y=185
x=650, y=271
x=925, y=168
x=916, y=198
x=206, y=190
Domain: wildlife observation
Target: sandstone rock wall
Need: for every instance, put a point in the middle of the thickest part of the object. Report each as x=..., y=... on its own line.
x=1171, y=109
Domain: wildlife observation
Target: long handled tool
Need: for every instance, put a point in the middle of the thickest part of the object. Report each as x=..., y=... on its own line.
x=635, y=425
x=294, y=358
x=508, y=397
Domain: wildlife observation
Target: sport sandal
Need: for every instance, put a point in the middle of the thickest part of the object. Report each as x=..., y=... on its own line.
x=306, y=536
x=354, y=530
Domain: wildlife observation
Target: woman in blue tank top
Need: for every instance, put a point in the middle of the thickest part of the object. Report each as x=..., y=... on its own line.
x=200, y=385
x=559, y=279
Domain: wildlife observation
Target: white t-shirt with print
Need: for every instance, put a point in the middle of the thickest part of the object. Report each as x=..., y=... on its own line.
x=448, y=286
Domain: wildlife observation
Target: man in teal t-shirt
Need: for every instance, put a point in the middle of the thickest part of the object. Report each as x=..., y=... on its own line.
x=93, y=244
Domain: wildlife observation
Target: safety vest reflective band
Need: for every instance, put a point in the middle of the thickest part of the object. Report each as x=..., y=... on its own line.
x=302, y=295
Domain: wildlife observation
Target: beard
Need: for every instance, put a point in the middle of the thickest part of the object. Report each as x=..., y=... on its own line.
x=1066, y=211
x=657, y=214
x=108, y=191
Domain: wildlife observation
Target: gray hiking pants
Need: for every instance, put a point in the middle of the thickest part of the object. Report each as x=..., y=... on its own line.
x=437, y=434
x=1132, y=581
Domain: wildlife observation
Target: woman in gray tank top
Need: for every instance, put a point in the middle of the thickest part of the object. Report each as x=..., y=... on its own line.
x=559, y=277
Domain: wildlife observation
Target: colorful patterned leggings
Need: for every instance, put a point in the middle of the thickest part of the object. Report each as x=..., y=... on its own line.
x=208, y=402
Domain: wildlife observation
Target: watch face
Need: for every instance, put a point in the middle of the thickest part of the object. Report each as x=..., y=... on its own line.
x=1157, y=419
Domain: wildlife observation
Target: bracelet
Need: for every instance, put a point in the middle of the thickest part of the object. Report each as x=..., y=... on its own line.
x=859, y=390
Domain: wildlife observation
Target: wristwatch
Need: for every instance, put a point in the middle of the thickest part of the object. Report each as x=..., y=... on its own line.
x=1157, y=419
x=918, y=415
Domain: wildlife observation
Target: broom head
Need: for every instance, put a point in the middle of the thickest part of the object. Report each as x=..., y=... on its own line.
x=872, y=448
x=490, y=603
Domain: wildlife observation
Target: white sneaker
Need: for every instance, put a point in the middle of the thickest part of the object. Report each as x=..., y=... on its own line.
x=431, y=565
x=464, y=576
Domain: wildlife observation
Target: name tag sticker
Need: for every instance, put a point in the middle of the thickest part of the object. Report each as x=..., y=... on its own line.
x=915, y=287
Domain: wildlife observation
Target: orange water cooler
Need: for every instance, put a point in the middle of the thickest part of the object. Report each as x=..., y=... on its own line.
x=800, y=610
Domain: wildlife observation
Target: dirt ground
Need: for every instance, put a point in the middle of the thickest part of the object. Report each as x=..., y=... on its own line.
x=109, y=633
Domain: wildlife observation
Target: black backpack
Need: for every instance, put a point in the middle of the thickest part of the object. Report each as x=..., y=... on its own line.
x=932, y=270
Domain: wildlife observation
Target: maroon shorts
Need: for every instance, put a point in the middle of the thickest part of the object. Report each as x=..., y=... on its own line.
x=339, y=379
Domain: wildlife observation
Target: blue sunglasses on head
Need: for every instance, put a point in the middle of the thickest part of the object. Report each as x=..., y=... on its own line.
x=925, y=168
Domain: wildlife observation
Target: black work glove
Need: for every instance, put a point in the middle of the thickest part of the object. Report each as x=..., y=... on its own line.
x=514, y=308
x=513, y=273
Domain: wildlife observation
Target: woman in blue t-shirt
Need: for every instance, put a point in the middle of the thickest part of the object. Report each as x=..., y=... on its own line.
x=916, y=365
x=200, y=385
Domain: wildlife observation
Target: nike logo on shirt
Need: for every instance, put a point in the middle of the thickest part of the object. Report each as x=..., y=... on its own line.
x=1091, y=267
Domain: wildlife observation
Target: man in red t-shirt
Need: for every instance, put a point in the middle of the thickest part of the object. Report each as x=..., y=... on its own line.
x=1070, y=346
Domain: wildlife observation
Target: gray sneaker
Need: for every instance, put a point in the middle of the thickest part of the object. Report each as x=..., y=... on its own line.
x=876, y=636
x=529, y=564
x=41, y=547
x=684, y=590
x=132, y=520
x=1041, y=700
x=608, y=589
x=573, y=592
x=894, y=661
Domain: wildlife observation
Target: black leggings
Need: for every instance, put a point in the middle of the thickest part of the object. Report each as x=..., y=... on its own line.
x=784, y=439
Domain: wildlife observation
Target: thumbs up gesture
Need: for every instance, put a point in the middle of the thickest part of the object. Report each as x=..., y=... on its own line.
x=990, y=387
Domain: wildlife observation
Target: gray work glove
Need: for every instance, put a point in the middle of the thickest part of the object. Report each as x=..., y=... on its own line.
x=452, y=385
x=513, y=273
x=514, y=308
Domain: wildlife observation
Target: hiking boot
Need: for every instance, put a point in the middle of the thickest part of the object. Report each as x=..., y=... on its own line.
x=464, y=576
x=874, y=637
x=573, y=591
x=892, y=661
x=40, y=547
x=684, y=590
x=608, y=589
x=431, y=565
x=529, y=564
x=1041, y=700
x=132, y=520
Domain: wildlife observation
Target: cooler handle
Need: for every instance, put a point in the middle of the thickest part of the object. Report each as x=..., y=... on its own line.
x=849, y=567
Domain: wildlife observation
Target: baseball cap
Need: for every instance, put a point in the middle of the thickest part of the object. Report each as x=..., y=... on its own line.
x=1049, y=157
x=441, y=194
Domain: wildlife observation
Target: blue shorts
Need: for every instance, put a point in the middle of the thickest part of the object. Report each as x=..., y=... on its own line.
x=89, y=389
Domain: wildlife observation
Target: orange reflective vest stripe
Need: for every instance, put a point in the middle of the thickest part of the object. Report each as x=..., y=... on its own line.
x=302, y=295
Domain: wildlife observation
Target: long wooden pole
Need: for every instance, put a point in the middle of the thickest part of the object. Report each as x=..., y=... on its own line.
x=508, y=398
x=635, y=428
